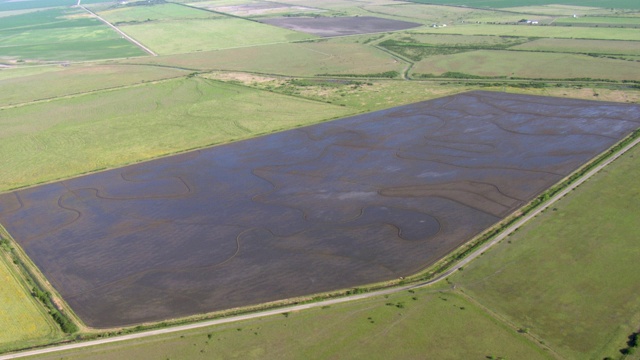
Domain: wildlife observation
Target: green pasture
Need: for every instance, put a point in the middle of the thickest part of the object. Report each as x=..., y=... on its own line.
x=7, y=5
x=69, y=136
x=17, y=72
x=75, y=79
x=160, y=12
x=297, y=59
x=571, y=276
x=46, y=19
x=498, y=63
x=423, y=324
x=175, y=37
x=582, y=46
x=58, y=35
x=609, y=21
x=624, y=4
x=563, y=32
x=23, y=321
x=559, y=10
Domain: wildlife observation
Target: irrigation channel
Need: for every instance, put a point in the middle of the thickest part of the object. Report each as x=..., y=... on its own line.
x=231, y=319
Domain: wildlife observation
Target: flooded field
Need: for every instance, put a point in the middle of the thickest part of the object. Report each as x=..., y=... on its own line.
x=340, y=26
x=340, y=204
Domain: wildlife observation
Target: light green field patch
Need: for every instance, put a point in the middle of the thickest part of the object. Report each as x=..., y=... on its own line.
x=558, y=10
x=23, y=321
x=539, y=31
x=424, y=324
x=133, y=14
x=530, y=65
x=300, y=59
x=62, y=138
x=175, y=37
x=600, y=21
x=583, y=46
x=16, y=72
x=76, y=79
x=571, y=275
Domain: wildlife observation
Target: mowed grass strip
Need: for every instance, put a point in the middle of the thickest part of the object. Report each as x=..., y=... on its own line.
x=183, y=36
x=572, y=276
x=77, y=78
x=62, y=138
x=23, y=321
x=419, y=325
x=530, y=65
x=299, y=59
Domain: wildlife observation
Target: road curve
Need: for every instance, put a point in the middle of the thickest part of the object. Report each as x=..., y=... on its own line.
x=129, y=38
x=506, y=232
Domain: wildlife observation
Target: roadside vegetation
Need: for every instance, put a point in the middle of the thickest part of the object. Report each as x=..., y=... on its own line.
x=564, y=285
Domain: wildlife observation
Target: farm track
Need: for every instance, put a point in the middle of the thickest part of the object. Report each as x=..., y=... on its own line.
x=129, y=38
x=508, y=231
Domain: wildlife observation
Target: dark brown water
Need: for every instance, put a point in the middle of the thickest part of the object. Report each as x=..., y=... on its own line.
x=340, y=204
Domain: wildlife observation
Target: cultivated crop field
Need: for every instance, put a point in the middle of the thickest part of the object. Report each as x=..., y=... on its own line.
x=530, y=65
x=77, y=79
x=59, y=34
x=293, y=59
x=292, y=213
x=340, y=26
x=68, y=136
x=80, y=100
x=176, y=37
x=624, y=4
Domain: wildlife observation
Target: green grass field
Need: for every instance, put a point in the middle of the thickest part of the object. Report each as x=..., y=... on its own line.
x=571, y=276
x=60, y=34
x=624, y=4
x=299, y=59
x=22, y=320
x=61, y=138
x=75, y=79
x=160, y=12
x=582, y=46
x=530, y=65
x=412, y=326
x=184, y=36
x=560, y=32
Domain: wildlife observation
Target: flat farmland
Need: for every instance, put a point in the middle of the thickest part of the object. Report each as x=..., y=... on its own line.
x=60, y=34
x=583, y=46
x=571, y=275
x=30, y=325
x=160, y=12
x=363, y=199
x=406, y=325
x=561, y=32
x=300, y=59
x=183, y=36
x=530, y=65
x=340, y=26
x=68, y=136
x=75, y=79
x=624, y=4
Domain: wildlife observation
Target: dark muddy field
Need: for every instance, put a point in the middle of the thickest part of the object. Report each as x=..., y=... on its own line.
x=339, y=26
x=339, y=204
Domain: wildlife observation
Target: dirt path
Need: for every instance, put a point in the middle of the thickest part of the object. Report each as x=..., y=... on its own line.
x=278, y=311
x=129, y=38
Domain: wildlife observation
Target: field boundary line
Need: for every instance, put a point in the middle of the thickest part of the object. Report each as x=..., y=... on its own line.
x=129, y=38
